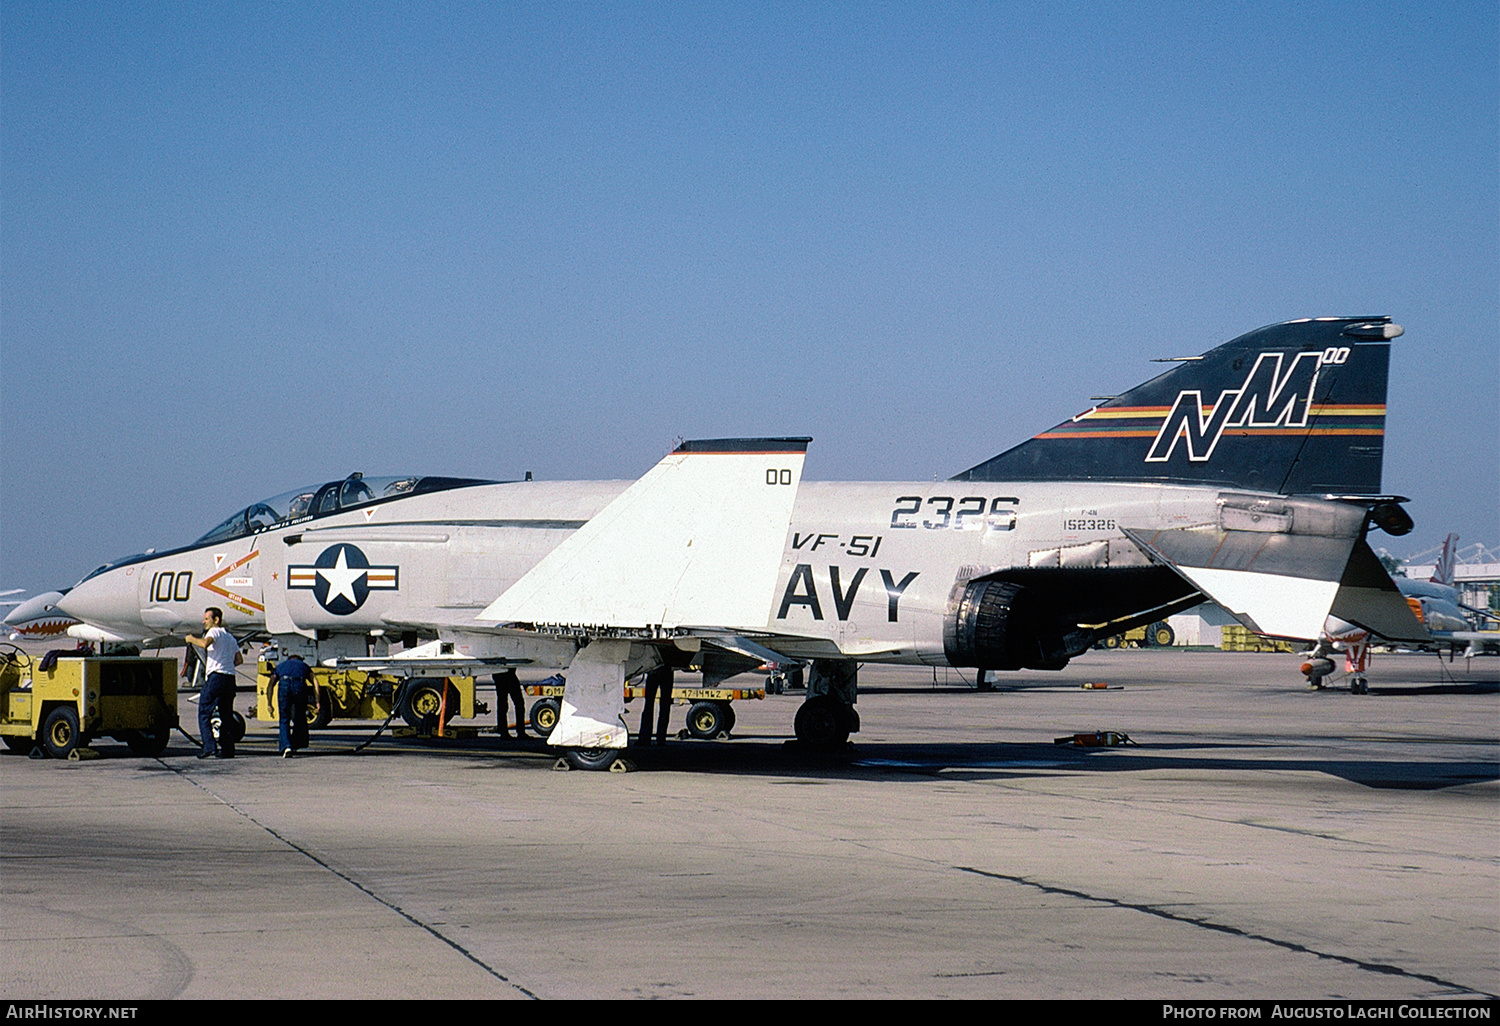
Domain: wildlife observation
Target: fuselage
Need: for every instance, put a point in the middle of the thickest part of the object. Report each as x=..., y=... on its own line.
x=869, y=569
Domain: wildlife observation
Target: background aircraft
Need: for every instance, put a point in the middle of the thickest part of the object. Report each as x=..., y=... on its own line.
x=37, y=617
x=1249, y=475
x=1451, y=626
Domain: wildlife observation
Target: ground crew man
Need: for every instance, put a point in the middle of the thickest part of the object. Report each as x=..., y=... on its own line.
x=221, y=654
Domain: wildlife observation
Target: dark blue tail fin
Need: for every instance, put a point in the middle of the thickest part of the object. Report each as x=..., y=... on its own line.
x=1294, y=408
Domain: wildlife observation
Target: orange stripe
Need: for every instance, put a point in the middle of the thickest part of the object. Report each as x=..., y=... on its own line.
x=1240, y=432
x=1097, y=434
x=209, y=583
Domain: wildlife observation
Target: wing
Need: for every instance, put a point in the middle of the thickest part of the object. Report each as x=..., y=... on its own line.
x=695, y=545
x=659, y=555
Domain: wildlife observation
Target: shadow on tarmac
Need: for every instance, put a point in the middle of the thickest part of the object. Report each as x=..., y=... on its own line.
x=779, y=756
x=979, y=760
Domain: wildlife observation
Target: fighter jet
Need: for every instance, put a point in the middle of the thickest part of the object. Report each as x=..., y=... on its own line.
x=1450, y=625
x=37, y=617
x=1249, y=475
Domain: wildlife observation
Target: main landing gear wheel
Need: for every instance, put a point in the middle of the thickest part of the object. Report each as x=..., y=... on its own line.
x=60, y=731
x=821, y=723
x=591, y=758
x=1359, y=686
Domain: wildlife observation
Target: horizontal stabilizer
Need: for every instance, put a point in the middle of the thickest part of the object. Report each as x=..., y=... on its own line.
x=1369, y=598
x=696, y=541
x=1276, y=583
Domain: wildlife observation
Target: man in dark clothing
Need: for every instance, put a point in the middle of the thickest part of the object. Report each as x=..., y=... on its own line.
x=293, y=682
x=658, y=689
x=508, y=685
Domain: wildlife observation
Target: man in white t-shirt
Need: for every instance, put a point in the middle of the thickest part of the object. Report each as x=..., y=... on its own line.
x=221, y=652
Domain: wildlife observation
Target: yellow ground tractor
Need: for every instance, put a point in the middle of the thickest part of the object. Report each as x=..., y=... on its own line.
x=710, y=714
x=62, y=709
x=355, y=695
x=1156, y=635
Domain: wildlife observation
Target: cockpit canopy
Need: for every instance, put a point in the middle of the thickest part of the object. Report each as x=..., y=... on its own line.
x=354, y=490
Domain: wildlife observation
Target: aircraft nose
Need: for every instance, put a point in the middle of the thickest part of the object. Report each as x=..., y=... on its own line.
x=37, y=605
x=106, y=600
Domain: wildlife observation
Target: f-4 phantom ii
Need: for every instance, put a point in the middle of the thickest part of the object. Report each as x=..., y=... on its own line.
x=1248, y=475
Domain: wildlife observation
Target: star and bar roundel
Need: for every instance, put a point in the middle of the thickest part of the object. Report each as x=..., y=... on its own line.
x=342, y=578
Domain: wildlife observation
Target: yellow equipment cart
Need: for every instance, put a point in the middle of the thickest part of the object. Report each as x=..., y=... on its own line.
x=130, y=699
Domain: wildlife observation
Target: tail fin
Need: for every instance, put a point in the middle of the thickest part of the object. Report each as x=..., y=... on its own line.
x=1291, y=408
x=1442, y=572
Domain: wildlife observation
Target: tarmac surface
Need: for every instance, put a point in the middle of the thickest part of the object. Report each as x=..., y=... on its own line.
x=1259, y=840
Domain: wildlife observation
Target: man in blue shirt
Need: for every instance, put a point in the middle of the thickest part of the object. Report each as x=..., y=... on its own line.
x=294, y=680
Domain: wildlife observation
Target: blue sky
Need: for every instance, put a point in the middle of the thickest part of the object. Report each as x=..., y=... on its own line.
x=245, y=247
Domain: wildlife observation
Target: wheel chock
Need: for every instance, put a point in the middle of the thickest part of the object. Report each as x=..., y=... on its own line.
x=1096, y=739
x=619, y=765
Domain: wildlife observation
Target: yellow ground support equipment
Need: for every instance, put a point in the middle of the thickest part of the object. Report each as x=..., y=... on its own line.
x=1156, y=635
x=1241, y=639
x=130, y=699
x=356, y=695
x=710, y=712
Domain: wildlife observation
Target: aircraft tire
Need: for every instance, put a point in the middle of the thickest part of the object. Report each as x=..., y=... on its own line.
x=236, y=727
x=150, y=743
x=544, y=715
x=729, y=717
x=591, y=758
x=706, y=720
x=60, y=734
x=321, y=715
x=821, y=723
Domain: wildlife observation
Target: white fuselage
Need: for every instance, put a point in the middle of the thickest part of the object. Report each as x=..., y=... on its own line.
x=867, y=569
